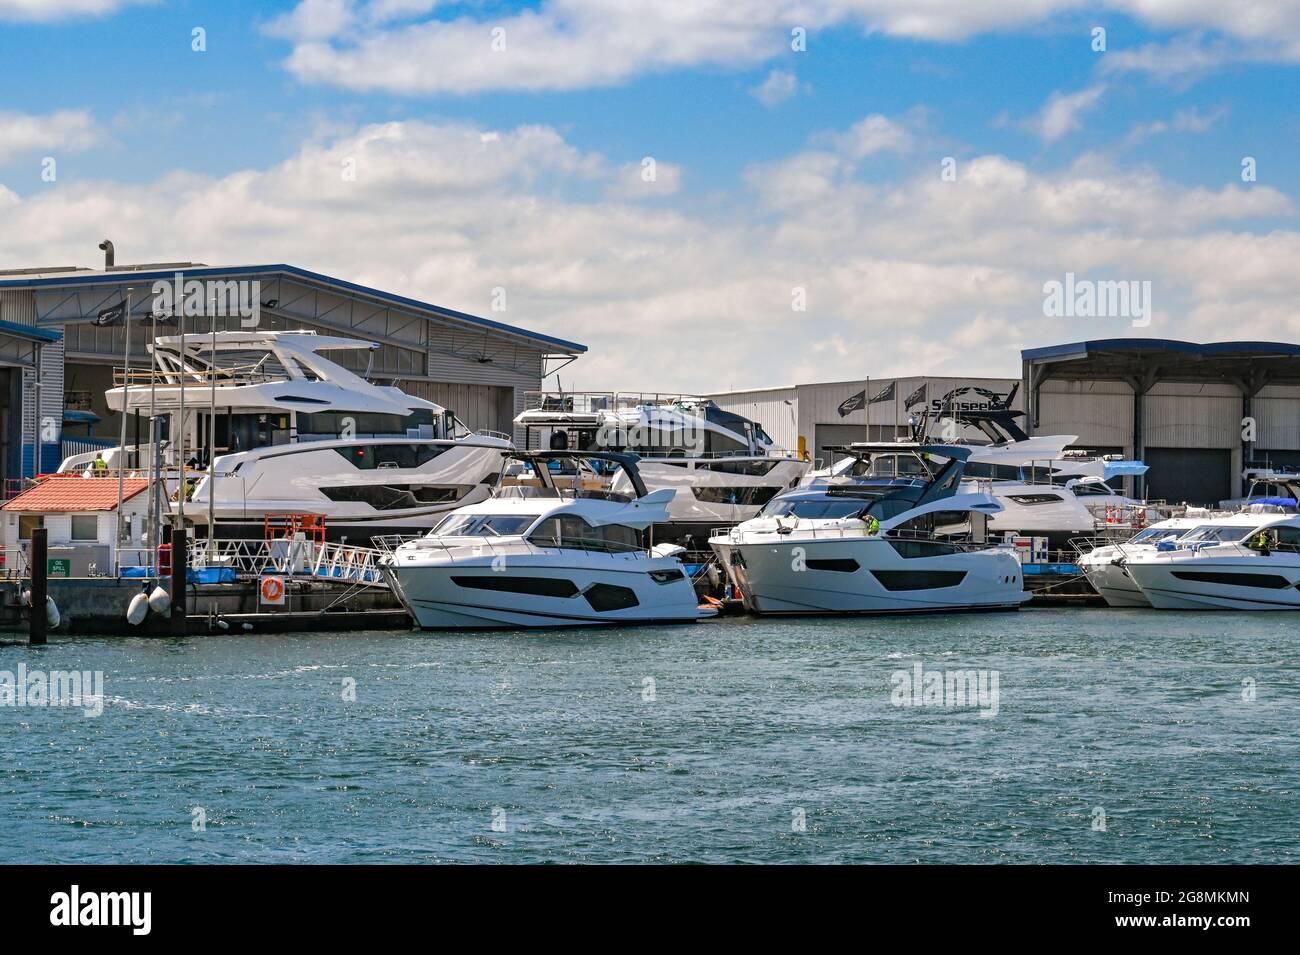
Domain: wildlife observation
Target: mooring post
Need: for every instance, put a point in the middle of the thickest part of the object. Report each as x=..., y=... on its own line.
x=180, y=557
x=38, y=619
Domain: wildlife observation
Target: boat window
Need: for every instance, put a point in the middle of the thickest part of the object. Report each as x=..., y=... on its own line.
x=813, y=509
x=366, y=457
x=1288, y=538
x=1153, y=535
x=335, y=424
x=570, y=531
x=1033, y=500
x=1084, y=490
x=482, y=525
x=1217, y=533
x=996, y=472
x=246, y=432
x=717, y=443
x=748, y=496
x=754, y=468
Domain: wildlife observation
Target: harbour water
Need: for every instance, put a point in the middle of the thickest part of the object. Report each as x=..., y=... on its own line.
x=1113, y=736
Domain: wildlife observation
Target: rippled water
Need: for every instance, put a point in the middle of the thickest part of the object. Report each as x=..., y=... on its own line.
x=748, y=729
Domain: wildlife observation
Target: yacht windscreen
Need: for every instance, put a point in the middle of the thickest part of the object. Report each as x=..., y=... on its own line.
x=483, y=525
x=1153, y=535
x=1217, y=533
x=814, y=509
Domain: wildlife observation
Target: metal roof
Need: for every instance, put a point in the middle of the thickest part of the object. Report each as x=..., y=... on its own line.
x=122, y=275
x=29, y=331
x=1162, y=359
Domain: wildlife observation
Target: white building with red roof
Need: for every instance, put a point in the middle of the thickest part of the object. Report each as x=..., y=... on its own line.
x=81, y=517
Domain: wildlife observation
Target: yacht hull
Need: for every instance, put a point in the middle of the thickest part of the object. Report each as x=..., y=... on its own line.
x=1233, y=581
x=1110, y=578
x=867, y=576
x=509, y=589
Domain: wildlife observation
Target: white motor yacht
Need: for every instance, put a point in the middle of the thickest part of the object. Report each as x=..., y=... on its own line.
x=724, y=467
x=296, y=433
x=1045, y=488
x=1105, y=564
x=538, y=554
x=881, y=543
x=1247, y=562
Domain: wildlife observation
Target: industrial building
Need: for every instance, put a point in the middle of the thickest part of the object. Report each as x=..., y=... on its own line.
x=812, y=417
x=63, y=335
x=1198, y=414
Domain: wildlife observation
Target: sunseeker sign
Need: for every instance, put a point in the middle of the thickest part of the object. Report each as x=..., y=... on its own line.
x=180, y=297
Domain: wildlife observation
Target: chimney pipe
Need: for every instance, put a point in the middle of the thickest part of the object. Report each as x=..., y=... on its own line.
x=107, y=247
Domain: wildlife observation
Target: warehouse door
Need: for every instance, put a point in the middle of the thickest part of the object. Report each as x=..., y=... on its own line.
x=1190, y=475
x=827, y=435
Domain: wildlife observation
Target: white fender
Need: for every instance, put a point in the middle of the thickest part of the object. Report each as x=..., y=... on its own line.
x=160, y=601
x=137, y=610
x=52, y=613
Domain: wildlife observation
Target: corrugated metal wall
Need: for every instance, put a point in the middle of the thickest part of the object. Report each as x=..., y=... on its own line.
x=18, y=307
x=1276, y=410
x=770, y=409
x=1177, y=415
x=1099, y=412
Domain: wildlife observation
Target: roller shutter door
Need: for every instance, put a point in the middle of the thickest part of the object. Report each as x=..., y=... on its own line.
x=1191, y=475
x=835, y=434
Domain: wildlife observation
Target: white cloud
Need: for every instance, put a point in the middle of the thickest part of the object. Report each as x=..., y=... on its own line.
x=1183, y=121
x=777, y=88
x=1062, y=112
x=647, y=179
x=21, y=133
x=874, y=134
x=914, y=275
x=412, y=47
x=41, y=10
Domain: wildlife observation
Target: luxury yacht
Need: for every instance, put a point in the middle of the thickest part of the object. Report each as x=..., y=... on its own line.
x=297, y=433
x=541, y=554
x=1045, y=488
x=883, y=542
x=724, y=467
x=1105, y=564
x=1248, y=562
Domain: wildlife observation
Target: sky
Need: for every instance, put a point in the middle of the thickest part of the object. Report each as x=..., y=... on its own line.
x=708, y=195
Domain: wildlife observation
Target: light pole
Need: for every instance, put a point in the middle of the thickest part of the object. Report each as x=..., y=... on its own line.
x=212, y=441
x=121, y=442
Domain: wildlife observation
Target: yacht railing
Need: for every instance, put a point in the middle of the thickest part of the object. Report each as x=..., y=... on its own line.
x=289, y=557
x=506, y=546
x=957, y=542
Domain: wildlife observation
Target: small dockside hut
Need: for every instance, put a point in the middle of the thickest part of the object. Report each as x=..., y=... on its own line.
x=80, y=515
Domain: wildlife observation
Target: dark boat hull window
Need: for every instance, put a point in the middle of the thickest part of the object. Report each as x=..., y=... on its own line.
x=918, y=579
x=393, y=497
x=605, y=597
x=735, y=495
x=1265, y=581
x=533, y=586
x=844, y=565
x=666, y=576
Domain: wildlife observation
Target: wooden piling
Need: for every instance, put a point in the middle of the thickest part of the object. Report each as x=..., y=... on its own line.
x=180, y=559
x=40, y=554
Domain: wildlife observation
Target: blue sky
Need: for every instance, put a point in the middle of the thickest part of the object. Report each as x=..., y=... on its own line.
x=1181, y=94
